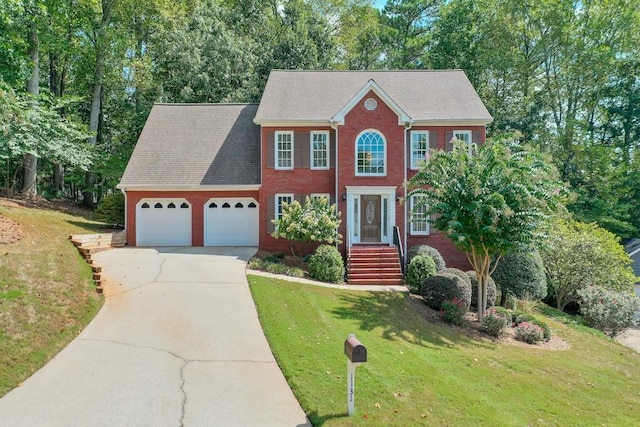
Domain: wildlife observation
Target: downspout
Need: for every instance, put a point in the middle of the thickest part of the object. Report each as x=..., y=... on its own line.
x=334, y=126
x=124, y=192
x=407, y=126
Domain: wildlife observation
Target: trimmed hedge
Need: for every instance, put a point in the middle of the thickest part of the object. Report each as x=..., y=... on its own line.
x=420, y=268
x=326, y=264
x=445, y=287
x=427, y=250
x=521, y=274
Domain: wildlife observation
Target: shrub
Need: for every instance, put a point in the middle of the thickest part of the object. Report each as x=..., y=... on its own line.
x=326, y=264
x=420, y=267
x=453, y=312
x=445, y=287
x=522, y=317
x=510, y=301
x=255, y=263
x=491, y=290
x=456, y=271
x=529, y=333
x=275, y=268
x=427, y=250
x=577, y=255
x=546, y=330
x=521, y=273
x=609, y=311
x=494, y=323
x=506, y=313
x=110, y=210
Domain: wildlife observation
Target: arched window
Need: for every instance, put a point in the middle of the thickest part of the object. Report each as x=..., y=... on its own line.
x=252, y=205
x=213, y=205
x=184, y=206
x=158, y=206
x=226, y=205
x=371, y=154
x=145, y=206
x=239, y=205
x=171, y=206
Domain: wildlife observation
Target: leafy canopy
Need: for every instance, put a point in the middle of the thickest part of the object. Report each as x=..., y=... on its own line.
x=315, y=221
x=578, y=255
x=488, y=200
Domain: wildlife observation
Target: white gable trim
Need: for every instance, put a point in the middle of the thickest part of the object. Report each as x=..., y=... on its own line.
x=371, y=85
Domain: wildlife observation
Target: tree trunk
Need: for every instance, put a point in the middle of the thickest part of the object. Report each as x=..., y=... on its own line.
x=94, y=115
x=58, y=179
x=29, y=187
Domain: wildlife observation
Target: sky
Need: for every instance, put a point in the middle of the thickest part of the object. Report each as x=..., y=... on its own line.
x=379, y=3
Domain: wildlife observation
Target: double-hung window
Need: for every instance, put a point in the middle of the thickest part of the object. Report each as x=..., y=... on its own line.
x=284, y=150
x=319, y=149
x=279, y=200
x=419, y=217
x=371, y=154
x=419, y=148
x=465, y=136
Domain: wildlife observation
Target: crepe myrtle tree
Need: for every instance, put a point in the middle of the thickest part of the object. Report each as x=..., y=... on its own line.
x=488, y=200
x=314, y=222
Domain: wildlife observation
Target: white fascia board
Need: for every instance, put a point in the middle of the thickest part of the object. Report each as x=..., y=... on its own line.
x=371, y=85
x=452, y=122
x=189, y=188
x=289, y=123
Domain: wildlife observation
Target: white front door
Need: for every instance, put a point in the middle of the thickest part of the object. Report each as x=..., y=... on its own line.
x=371, y=214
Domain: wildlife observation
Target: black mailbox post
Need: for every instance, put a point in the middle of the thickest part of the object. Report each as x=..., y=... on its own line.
x=356, y=354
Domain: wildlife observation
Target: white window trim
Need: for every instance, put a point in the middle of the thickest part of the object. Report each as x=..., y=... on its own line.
x=277, y=203
x=311, y=134
x=386, y=149
x=466, y=132
x=418, y=232
x=415, y=166
x=276, y=152
x=320, y=196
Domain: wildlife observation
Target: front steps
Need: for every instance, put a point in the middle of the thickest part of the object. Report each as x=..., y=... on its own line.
x=374, y=265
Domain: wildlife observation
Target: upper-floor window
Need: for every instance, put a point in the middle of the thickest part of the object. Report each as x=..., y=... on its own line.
x=314, y=196
x=284, y=150
x=319, y=150
x=371, y=154
x=465, y=136
x=419, y=148
x=419, y=217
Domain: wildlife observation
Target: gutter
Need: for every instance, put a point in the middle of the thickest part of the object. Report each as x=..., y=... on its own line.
x=407, y=126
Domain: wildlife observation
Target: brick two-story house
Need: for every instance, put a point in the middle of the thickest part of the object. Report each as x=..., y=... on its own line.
x=217, y=174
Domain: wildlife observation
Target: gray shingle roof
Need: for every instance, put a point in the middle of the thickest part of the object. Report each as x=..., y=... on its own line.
x=633, y=249
x=188, y=145
x=319, y=95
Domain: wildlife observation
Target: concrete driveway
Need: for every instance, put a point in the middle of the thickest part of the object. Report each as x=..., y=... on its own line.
x=177, y=343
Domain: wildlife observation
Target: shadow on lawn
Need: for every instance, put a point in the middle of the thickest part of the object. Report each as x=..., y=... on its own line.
x=319, y=420
x=398, y=318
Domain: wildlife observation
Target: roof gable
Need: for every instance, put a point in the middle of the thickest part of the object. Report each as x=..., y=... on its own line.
x=194, y=145
x=371, y=86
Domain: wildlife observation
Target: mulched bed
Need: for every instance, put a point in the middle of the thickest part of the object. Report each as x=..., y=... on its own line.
x=473, y=329
x=10, y=231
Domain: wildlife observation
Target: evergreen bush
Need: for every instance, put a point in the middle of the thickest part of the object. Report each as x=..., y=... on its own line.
x=420, y=267
x=445, y=287
x=607, y=310
x=326, y=264
x=427, y=250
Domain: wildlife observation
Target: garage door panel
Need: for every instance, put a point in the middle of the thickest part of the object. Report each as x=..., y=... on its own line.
x=163, y=222
x=231, y=222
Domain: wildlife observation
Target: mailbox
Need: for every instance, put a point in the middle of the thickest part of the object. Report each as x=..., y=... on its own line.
x=355, y=351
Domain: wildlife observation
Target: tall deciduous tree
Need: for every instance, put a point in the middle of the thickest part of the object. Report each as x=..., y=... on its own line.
x=490, y=201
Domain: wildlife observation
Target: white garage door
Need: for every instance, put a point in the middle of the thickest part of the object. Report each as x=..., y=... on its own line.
x=163, y=222
x=231, y=222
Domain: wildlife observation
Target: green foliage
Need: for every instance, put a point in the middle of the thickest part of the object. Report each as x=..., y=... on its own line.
x=606, y=310
x=529, y=333
x=494, y=323
x=490, y=201
x=521, y=273
x=578, y=255
x=491, y=290
x=110, y=210
x=326, y=264
x=315, y=221
x=445, y=287
x=546, y=330
x=430, y=251
x=420, y=267
x=503, y=311
x=453, y=312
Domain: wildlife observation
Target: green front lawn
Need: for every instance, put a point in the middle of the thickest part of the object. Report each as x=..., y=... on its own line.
x=420, y=373
x=46, y=292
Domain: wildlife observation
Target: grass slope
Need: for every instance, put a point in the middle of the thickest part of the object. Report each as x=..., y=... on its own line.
x=46, y=292
x=423, y=374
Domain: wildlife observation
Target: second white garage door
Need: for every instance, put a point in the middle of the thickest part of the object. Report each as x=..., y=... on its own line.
x=231, y=222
